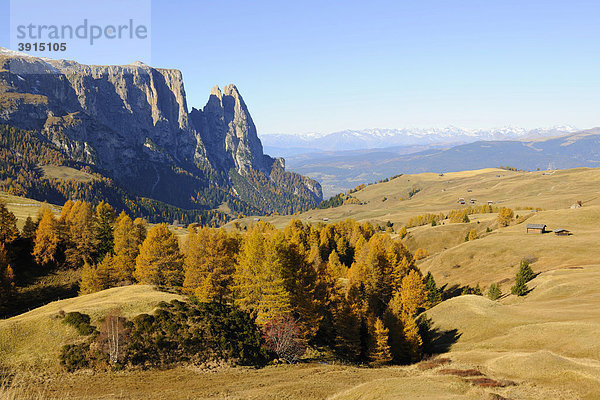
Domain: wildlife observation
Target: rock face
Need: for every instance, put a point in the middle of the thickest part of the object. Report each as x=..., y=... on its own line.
x=226, y=127
x=132, y=122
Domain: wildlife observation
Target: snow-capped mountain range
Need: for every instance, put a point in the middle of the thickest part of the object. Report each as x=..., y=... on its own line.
x=381, y=138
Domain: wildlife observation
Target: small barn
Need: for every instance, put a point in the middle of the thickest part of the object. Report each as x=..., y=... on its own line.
x=536, y=228
x=562, y=232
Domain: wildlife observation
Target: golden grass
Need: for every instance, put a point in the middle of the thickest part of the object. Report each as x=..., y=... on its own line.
x=34, y=339
x=66, y=173
x=23, y=207
x=440, y=194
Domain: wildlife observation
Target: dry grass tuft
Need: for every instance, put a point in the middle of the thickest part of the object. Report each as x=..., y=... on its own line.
x=460, y=372
x=433, y=363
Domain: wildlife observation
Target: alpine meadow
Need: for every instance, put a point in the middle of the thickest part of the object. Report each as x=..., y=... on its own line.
x=432, y=232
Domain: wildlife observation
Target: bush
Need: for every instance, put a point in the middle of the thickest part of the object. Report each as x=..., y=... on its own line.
x=282, y=337
x=194, y=332
x=74, y=356
x=79, y=321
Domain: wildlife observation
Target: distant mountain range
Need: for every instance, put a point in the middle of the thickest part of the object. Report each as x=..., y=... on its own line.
x=340, y=170
x=285, y=145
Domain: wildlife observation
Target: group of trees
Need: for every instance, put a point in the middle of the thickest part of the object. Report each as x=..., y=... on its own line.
x=340, y=283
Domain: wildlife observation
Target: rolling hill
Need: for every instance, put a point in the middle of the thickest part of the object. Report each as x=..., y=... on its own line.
x=339, y=171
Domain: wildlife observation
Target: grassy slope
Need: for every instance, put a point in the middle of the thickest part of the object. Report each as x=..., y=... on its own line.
x=66, y=173
x=23, y=207
x=546, y=342
x=34, y=339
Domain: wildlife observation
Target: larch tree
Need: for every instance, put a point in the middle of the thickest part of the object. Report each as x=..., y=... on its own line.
x=159, y=261
x=505, y=216
x=471, y=235
x=259, y=283
x=210, y=264
x=414, y=342
x=128, y=237
x=89, y=282
x=381, y=353
x=412, y=293
x=82, y=245
x=46, y=238
x=348, y=331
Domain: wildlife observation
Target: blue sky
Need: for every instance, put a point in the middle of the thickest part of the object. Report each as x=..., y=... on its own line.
x=313, y=67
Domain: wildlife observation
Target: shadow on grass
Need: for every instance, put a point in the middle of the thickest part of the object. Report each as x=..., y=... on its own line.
x=435, y=340
x=29, y=298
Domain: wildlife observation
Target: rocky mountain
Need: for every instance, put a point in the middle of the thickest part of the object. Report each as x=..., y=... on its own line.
x=131, y=123
x=286, y=145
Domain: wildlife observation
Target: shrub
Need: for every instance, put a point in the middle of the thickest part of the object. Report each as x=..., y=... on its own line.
x=283, y=337
x=74, y=356
x=79, y=321
x=194, y=332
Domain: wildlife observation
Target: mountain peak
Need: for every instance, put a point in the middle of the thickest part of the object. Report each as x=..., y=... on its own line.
x=231, y=90
x=216, y=91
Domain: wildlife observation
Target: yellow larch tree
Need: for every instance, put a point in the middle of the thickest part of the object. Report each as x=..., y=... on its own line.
x=46, y=238
x=159, y=261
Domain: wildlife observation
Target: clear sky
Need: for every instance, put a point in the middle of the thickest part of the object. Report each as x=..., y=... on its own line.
x=315, y=66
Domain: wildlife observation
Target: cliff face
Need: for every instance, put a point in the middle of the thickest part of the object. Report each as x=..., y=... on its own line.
x=132, y=121
x=226, y=128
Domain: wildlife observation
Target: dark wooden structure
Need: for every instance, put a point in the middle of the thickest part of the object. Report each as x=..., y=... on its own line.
x=562, y=232
x=536, y=228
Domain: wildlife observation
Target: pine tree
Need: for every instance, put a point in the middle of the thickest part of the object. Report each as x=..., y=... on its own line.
x=433, y=294
x=412, y=293
x=103, y=230
x=29, y=229
x=159, y=261
x=210, y=264
x=7, y=276
x=8, y=225
x=524, y=275
x=526, y=271
x=494, y=292
x=46, y=238
x=381, y=352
